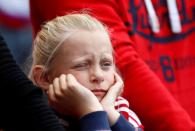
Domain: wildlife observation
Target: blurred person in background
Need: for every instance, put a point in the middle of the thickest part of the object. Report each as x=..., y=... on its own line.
x=156, y=32
x=15, y=26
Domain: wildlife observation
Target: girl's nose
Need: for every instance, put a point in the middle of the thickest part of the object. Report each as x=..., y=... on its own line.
x=97, y=75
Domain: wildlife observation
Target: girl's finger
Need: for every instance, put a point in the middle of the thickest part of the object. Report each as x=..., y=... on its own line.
x=115, y=90
x=56, y=87
x=118, y=78
x=51, y=94
x=72, y=82
x=62, y=82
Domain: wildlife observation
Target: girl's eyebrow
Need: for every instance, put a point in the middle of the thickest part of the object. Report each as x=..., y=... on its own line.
x=107, y=55
x=83, y=58
x=87, y=57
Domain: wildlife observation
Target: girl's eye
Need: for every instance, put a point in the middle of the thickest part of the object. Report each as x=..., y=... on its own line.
x=81, y=66
x=106, y=65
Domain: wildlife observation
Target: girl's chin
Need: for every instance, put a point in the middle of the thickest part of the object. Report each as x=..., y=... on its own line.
x=99, y=98
x=100, y=95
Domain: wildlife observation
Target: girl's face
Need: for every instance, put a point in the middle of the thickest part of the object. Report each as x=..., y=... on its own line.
x=87, y=56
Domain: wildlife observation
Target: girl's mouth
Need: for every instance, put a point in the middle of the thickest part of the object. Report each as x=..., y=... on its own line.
x=99, y=92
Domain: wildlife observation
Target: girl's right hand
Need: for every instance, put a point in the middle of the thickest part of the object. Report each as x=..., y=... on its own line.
x=68, y=97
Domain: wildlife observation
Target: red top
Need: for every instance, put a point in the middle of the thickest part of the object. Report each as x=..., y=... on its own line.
x=128, y=20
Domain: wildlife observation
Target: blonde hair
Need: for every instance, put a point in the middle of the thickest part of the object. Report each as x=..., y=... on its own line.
x=56, y=31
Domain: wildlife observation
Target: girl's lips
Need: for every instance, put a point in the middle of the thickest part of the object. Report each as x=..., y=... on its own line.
x=98, y=92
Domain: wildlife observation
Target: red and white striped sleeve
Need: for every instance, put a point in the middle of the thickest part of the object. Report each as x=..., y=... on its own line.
x=122, y=106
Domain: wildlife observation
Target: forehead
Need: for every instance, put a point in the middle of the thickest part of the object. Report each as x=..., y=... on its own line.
x=86, y=42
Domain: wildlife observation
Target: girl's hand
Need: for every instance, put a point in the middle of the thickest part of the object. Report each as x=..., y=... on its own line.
x=68, y=97
x=109, y=99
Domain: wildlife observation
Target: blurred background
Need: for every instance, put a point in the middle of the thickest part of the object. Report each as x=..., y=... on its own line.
x=16, y=29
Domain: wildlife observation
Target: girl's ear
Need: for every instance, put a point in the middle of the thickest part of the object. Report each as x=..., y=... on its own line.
x=40, y=79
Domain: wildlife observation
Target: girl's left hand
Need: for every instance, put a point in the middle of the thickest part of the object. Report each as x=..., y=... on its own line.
x=109, y=99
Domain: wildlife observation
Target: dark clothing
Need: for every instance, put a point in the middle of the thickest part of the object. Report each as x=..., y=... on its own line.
x=96, y=122
x=22, y=106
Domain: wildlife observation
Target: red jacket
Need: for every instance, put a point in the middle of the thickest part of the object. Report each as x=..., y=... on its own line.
x=148, y=97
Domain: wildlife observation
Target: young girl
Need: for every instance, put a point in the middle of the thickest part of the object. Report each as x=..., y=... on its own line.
x=73, y=63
